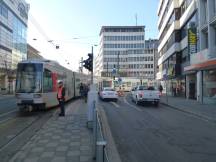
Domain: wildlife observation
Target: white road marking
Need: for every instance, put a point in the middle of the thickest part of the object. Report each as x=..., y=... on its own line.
x=131, y=105
x=8, y=113
x=115, y=104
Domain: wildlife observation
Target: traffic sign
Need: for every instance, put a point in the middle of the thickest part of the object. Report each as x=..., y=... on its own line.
x=114, y=71
x=119, y=80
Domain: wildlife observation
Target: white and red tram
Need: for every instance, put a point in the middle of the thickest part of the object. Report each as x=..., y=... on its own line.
x=36, y=84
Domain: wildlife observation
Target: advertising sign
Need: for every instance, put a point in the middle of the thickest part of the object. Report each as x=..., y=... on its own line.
x=192, y=41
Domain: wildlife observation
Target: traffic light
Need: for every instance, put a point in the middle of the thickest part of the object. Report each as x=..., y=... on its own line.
x=88, y=63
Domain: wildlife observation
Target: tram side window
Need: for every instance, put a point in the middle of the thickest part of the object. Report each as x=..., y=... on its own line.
x=47, y=81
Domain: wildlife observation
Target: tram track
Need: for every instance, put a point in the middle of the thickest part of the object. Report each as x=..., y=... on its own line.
x=16, y=132
x=19, y=129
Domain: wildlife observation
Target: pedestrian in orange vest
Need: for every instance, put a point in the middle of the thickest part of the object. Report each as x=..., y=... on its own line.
x=61, y=98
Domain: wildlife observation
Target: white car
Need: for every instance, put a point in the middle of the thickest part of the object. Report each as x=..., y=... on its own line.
x=142, y=94
x=109, y=93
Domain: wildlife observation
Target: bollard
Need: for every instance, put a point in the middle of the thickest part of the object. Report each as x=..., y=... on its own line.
x=92, y=96
x=100, y=151
x=94, y=130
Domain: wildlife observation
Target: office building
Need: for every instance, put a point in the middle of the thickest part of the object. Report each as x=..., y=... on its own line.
x=13, y=44
x=202, y=68
x=177, y=24
x=123, y=54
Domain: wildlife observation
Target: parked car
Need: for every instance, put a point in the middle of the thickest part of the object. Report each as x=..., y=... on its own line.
x=108, y=93
x=141, y=94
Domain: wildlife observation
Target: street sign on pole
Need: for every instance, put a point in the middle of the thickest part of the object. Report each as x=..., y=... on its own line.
x=119, y=80
x=114, y=71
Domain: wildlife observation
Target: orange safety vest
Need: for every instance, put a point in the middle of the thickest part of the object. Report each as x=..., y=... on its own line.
x=60, y=92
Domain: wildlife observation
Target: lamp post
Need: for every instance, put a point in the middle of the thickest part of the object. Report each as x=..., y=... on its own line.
x=92, y=73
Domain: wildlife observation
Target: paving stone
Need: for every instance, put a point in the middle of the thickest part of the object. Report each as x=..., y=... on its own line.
x=60, y=153
x=86, y=152
x=62, y=148
x=65, y=140
x=85, y=158
x=60, y=139
x=45, y=159
x=50, y=149
x=47, y=154
x=31, y=160
x=75, y=144
x=73, y=153
x=73, y=159
x=18, y=160
x=85, y=148
x=52, y=144
x=56, y=137
x=33, y=154
x=72, y=148
x=37, y=149
x=59, y=159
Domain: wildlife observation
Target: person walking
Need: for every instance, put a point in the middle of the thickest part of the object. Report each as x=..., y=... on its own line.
x=85, y=92
x=81, y=90
x=61, y=97
x=160, y=89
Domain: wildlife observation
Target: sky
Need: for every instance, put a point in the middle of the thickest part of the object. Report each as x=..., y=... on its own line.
x=74, y=25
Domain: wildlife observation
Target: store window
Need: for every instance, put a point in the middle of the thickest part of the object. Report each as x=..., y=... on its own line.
x=209, y=86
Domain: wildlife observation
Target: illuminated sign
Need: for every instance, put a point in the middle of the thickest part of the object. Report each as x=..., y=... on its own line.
x=192, y=41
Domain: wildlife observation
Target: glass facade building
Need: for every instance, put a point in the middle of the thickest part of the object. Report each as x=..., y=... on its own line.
x=13, y=40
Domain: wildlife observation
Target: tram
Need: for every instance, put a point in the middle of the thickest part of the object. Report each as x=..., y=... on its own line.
x=37, y=84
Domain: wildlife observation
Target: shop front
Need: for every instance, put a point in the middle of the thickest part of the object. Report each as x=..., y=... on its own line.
x=175, y=83
x=204, y=81
x=209, y=86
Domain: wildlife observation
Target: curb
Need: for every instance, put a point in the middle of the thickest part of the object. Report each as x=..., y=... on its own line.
x=190, y=112
x=112, y=151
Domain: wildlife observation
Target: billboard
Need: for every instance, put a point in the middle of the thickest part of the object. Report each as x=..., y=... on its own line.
x=192, y=41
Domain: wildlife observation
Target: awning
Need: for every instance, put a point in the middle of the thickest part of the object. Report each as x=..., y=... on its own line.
x=201, y=66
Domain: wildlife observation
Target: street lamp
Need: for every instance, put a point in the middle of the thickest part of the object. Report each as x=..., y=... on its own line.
x=95, y=45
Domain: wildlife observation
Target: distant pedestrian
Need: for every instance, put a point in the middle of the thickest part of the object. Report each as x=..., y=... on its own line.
x=85, y=92
x=61, y=97
x=160, y=89
x=81, y=90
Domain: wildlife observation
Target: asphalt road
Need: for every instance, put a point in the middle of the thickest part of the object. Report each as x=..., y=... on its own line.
x=7, y=104
x=150, y=134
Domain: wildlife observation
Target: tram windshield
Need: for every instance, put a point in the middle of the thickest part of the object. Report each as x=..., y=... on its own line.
x=29, y=78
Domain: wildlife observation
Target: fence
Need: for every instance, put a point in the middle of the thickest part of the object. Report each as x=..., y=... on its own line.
x=99, y=143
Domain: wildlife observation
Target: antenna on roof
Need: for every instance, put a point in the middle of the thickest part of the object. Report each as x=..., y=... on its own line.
x=136, y=18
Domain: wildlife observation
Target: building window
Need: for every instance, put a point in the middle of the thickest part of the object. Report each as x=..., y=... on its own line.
x=205, y=40
x=205, y=11
x=3, y=10
x=209, y=86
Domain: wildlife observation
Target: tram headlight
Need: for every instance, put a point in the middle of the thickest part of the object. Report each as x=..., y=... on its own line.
x=37, y=95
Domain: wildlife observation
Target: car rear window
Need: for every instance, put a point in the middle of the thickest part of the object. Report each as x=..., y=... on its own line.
x=108, y=89
x=143, y=88
x=151, y=88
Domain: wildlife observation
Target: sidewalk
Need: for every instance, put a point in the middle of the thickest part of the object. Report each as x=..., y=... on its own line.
x=207, y=112
x=61, y=139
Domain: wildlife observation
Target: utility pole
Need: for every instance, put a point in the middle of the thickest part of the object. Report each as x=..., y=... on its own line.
x=92, y=65
x=107, y=68
x=118, y=63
